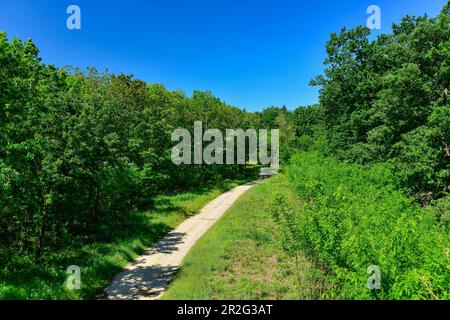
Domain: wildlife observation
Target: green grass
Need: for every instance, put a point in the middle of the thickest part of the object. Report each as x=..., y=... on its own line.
x=99, y=260
x=239, y=257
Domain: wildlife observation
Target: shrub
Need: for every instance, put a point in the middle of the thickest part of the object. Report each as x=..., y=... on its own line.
x=353, y=217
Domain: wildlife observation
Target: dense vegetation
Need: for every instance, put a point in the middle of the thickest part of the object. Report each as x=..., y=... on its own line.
x=375, y=176
x=353, y=217
x=84, y=153
x=104, y=253
x=387, y=101
x=78, y=149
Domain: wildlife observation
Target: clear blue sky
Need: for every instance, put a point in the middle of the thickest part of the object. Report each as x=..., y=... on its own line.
x=249, y=53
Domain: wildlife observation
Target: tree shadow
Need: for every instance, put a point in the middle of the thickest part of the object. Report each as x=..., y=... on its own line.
x=99, y=252
x=142, y=281
x=139, y=283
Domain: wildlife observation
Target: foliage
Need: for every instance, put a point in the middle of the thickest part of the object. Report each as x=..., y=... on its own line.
x=103, y=253
x=81, y=148
x=354, y=217
x=387, y=100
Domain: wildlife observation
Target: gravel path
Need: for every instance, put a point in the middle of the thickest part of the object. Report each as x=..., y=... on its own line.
x=148, y=276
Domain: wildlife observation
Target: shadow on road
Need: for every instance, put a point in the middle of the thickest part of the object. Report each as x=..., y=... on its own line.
x=141, y=281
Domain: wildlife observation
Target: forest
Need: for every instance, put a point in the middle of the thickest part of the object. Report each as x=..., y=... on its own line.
x=82, y=151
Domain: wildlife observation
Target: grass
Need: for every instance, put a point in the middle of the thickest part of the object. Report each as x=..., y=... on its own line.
x=240, y=257
x=117, y=244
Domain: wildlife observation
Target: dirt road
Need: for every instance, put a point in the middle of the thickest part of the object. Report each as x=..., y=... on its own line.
x=148, y=276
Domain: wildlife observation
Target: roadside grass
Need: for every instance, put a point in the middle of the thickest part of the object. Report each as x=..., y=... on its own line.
x=105, y=254
x=240, y=257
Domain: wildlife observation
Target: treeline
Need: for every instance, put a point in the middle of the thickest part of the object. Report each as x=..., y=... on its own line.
x=387, y=100
x=383, y=100
x=79, y=148
x=375, y=156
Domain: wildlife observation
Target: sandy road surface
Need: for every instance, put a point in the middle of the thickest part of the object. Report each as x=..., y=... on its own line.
x=147, y=277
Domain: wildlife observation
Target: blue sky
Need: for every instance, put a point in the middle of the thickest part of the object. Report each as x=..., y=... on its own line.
x=250, y=53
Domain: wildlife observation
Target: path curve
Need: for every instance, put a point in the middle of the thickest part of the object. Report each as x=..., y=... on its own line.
x=147, y=277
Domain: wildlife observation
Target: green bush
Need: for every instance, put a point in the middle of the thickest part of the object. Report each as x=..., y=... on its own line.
x=80, y=149
x=353, y=217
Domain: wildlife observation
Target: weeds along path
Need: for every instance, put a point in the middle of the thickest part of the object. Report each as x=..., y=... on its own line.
x=148, y=276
